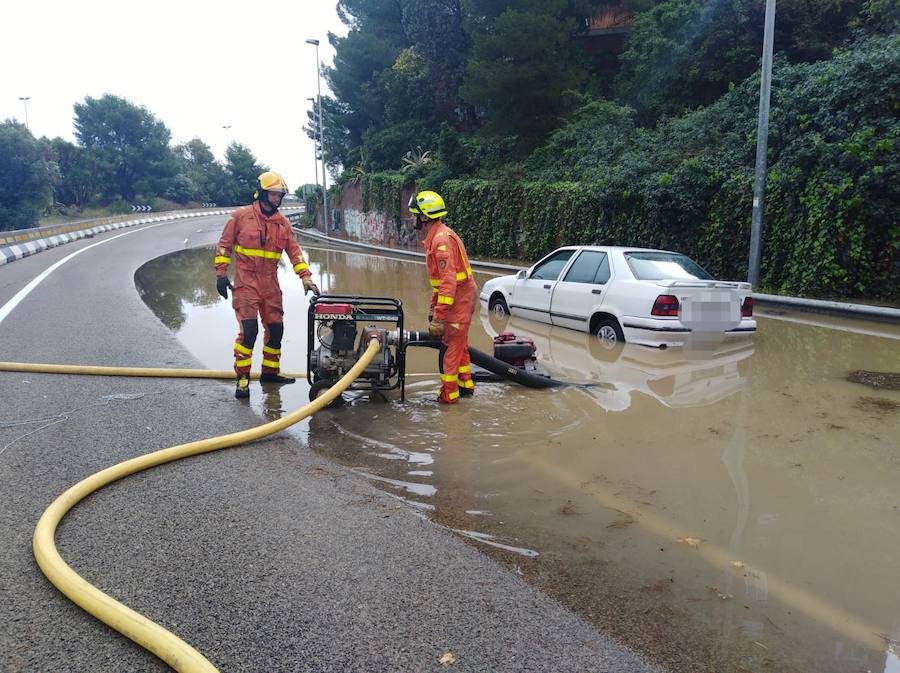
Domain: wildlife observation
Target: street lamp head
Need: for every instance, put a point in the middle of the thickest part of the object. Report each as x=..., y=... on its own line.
x=315, y=42
x=24, y=97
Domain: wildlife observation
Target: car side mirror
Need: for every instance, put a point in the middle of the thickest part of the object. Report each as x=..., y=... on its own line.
x=521, y=275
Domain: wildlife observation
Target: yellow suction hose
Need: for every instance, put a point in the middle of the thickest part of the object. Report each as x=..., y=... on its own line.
x=83, y=370
x=149, y=635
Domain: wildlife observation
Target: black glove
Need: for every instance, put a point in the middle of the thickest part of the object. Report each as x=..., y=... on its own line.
x=223, y=285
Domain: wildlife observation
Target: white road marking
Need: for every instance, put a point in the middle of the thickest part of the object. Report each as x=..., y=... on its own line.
x=25, y=291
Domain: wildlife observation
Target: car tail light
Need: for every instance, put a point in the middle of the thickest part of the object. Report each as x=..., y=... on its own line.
x=665, y=304
x=747, y=307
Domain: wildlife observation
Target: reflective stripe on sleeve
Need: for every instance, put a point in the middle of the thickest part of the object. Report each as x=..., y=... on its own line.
x=442, y=299
x=300, y=266
x=223, y=260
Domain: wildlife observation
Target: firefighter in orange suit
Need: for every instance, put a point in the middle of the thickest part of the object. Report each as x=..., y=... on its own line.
x=254, y=238
x=454, y=294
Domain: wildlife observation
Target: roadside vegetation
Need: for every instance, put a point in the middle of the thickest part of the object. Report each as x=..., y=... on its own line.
x=537, y=140
x=548, y=122
x=122, y=157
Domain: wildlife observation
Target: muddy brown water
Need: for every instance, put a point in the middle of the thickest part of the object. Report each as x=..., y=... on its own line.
x=733, y=508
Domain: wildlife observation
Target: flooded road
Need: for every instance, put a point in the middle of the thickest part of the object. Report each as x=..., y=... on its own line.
x=735, y=510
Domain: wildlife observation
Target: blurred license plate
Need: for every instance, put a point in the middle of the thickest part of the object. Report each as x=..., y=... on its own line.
x=710, y=310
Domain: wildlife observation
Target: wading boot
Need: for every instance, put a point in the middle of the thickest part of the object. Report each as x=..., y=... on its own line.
x=445, y=397
x=466, y=392
x=268, y=377
x=242, y=389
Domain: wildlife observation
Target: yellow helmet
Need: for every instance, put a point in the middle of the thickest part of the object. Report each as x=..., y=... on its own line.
x=429, y=204
x=270, y=181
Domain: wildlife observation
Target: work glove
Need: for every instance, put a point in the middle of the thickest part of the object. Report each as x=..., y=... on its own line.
x=430, y=316
x=308, y=285
x=223, y=285
x=436, y=328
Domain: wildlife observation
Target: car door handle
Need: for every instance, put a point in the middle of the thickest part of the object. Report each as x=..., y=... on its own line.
x=546, y=287
x=595, y=291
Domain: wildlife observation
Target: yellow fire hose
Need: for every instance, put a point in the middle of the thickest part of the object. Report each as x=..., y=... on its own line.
x=82, y=370
x=149, y=635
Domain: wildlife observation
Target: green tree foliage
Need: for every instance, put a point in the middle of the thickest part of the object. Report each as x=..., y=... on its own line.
x=685, y=53
x=243, y=170
x=523, y=59
x=210, y=182
x=80, y=178
x=129, y=143
x=26, y=176
x=833, y=192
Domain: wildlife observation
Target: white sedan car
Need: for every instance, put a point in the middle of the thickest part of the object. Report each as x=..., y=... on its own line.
x=635, y=295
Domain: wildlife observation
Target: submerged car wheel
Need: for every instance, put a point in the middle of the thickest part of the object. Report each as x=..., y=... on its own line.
x=319, y=387
x=498, y=305
x=609, y=332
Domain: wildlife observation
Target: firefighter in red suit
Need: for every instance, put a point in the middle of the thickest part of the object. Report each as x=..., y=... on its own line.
x=454, y=294
x=254, y=238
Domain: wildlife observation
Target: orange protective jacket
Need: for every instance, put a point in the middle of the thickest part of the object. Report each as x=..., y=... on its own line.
x=255, y=243
x=454, y=291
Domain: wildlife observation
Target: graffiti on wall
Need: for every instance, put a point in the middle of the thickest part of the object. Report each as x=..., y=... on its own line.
x=371, y=227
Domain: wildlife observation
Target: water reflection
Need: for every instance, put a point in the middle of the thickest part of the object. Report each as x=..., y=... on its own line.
x=729, y=508
x=699, y=374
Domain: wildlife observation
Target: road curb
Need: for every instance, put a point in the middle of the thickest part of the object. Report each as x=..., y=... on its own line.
x=11, y=252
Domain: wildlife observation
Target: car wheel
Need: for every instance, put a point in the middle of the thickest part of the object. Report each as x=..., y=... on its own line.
x=498, y=305
x=609, y=332
x=319, y=387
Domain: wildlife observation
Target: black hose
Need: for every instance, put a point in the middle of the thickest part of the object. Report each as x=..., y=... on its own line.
x=490, y=363
x=507, y=371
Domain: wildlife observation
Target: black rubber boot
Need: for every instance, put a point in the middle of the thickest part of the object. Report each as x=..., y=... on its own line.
x=466, y=392
x=267, y=377
x=242, y=388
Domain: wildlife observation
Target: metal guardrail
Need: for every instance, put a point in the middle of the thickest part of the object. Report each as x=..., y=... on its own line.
x=862, y=311
x=23, y=235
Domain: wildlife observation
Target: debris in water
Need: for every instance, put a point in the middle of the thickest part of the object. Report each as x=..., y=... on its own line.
x=447, y=658
x=737, y=564
x=568, y=508
x=885, y=380
x=720, y=594
x=877, y=404
x=689, y=541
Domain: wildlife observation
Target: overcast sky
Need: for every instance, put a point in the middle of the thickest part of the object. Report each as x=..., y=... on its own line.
x=197, y=65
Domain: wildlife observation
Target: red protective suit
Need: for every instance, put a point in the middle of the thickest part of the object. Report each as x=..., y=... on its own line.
x=255, y=243
x=453, y=300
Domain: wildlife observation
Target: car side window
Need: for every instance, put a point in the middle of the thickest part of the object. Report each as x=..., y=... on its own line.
x=551, y=267
x=603, y=271
x=590, y=267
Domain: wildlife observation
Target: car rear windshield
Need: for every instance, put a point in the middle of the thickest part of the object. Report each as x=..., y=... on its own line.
x=664, y=266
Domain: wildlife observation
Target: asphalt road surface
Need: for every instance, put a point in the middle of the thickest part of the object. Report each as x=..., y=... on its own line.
x=263, y=557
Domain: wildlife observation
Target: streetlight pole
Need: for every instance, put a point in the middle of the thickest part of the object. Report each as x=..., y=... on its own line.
x=321, y=134
x=762, y=146
x=315, y=147
x=25, y=100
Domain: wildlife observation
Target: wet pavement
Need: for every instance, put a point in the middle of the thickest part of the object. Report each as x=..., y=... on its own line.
x=730, y=508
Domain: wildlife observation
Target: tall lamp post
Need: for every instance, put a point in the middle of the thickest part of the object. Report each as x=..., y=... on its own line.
x=762, y=146
x=315, y=147
x=321, y=134
x=25, y=100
